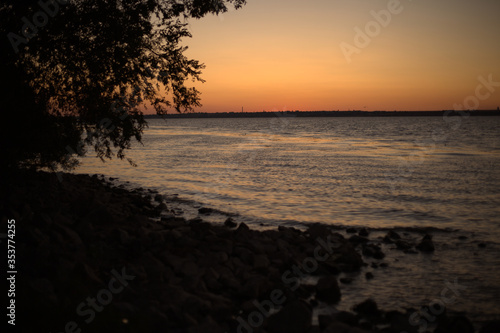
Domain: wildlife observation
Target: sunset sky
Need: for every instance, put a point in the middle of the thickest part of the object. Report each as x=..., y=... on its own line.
x=303, y=55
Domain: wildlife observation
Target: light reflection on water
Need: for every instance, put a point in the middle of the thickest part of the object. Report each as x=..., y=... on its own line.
x=375, y=172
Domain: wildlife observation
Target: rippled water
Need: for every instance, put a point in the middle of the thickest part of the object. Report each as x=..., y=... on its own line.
x=375, y=172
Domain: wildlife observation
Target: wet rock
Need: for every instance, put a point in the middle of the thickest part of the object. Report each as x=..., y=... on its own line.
x=327, y=290
x=363, y=232
x=403, y=245
x=463, y=237
x=426, y=245
x=374, y=251
x=369, y=275
x=481, y=245
x=367, y=308
x=355, y=239
x=346, y=258
x=230, y=223
x=350, y=230
x=160, y=208
x=243, y=227
x=346, y=280
x=195, y=220
x=205, y=210
x=295, y=317
x=391, y=236
x=158, y=198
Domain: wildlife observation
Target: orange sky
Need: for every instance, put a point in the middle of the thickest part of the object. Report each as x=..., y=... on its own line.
x=291, y=55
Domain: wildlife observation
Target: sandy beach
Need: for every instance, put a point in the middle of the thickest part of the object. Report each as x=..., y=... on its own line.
x=97, y=258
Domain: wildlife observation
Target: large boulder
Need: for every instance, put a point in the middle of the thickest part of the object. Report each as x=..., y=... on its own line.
x=295, y=317
x=426, y=244
x=327, y=290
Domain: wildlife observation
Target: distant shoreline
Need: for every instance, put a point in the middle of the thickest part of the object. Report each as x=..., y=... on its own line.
x=268, y=114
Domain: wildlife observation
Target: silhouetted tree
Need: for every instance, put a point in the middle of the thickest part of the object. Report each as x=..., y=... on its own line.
x=73, y=69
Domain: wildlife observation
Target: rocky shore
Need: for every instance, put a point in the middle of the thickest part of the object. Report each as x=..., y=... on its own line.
x=96, y=258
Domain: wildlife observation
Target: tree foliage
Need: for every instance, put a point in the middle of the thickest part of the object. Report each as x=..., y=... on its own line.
x=73, y=69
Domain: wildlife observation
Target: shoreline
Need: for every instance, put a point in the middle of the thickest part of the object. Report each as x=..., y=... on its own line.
x=76, y=236
x=354, y=113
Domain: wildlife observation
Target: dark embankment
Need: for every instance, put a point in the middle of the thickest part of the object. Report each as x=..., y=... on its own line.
x=89, y=257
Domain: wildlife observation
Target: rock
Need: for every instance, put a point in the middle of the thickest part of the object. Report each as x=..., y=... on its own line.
x=363, y=232
x=337, y=327
x=230, y=223
x=400, y=322
x=122, y=236
x=391, y=236
x=463, y=237
x=355, y=239
x=372, y=250
x=324, y=321
x=458, y=324
x=369, y=275
x=208, y=325
x=426, y=245
x=327, y=290
x=481, y=245
x=346, y=258
x=295, y=317
x=158, y=198
x=162, y=206
x=318, y=230
x=491, y=327
x=403, y=245
x=167, y=217
x=368, y=308
x=347, y=318
x=350, y=230
x=205, y=210
x=346, y=280
x=242, y=226
x=195, y=220
x=260, y=261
